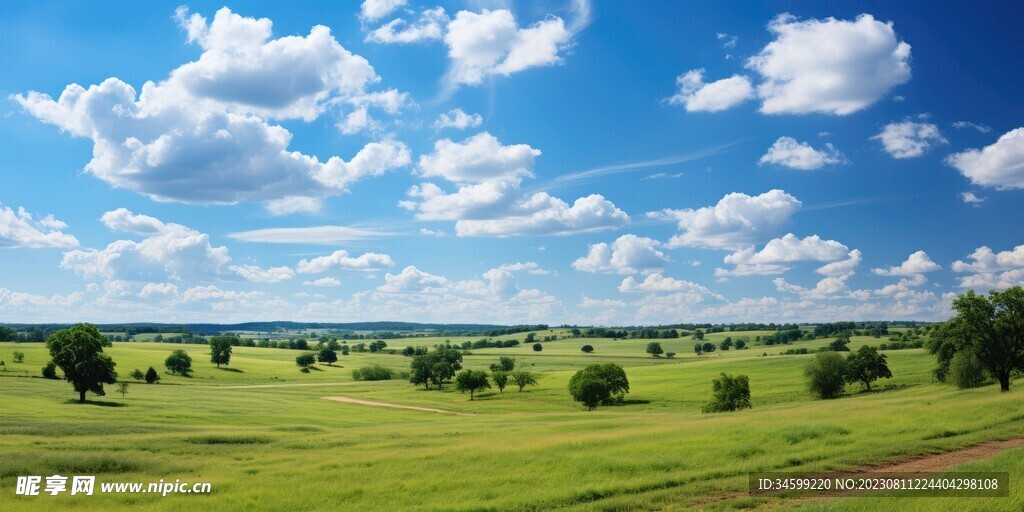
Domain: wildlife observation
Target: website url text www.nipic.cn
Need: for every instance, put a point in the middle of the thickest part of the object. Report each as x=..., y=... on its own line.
x=86, y=486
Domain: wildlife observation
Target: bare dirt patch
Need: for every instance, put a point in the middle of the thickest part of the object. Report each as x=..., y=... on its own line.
x=348, y=400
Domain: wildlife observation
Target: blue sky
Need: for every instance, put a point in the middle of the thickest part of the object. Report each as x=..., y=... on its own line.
x=507, y=162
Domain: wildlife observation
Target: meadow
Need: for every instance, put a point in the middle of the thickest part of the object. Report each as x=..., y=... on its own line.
x=261, y=432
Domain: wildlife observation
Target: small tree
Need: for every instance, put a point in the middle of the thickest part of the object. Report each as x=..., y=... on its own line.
x=138, y=375
x=472, y=381
x=523, y=379
x=670, y=355
x=504, y=364
x=327, y=356
x=654, y=349
x=826, y=375
x=78, y=351
x=613, y=384
x=741, y=344
x=500, y=379
x=866, y=365
x=530, y=338
x=730, y=394
x=179, y=363
x=19, y=357
x=587, y=349
x=725, y=344
x=537, y=347
x=220, y=349
x=588, y=390
x=122, y=388
x=152, y=377
x=698, y=348
x=699, y=336
x=840, y=343
x=966, y=371
x=50, y=371
x=305, y=360
x=708, y=347
x=344, y=350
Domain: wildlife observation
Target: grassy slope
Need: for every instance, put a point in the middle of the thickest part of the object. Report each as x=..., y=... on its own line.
x=285, y=447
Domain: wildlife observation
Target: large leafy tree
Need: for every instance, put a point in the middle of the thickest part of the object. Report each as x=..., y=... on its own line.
x=220, y=349
x=179, y=362
x=991, y=328
x=599, y=384
x=867, y=365
x=78, y=351
x=435, y=367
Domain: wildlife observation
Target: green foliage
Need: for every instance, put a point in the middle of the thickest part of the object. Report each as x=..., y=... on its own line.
x=375, y=372
x=220, y=349
x=152, y=377
x=122, y=387
x=504, y=364
x=991, y=328
x=78, y=351
x=587, y=349
x=698, y=335
x=50, y=371
x=472, y=381
x=327, y=356
x=840, y=343
x=708, y=347
x=605, y=383
x=179, y=363
x=500, y=378
x=698, y=348
x=378, y=346
x=726, y=344
x=654, y=349
x=523, y=379
x=19, y=357
x=867, y=365
x=435, y=367
x=966, y=370
x=137, y=374
x=730, y=394
x=826, y=375
x=305, y=360
x=537, y=347
x=670, y=355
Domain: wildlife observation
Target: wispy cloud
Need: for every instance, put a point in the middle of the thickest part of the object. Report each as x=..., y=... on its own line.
x=311, y=235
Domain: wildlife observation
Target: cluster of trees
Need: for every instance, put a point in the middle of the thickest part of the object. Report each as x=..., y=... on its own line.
x=829, y=372
x=703, y=348
x=783, y=337
x=644, y=333
x=375, y=372
x=599, y=384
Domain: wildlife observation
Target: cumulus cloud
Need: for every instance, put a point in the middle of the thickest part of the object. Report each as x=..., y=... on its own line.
x=20, y=229
x=429, y=26
x=310, y=235
x=777, y=254
x=736, y=221
x=489, y=200
x=258, y=274
x=918, y=263
x=972, y=199
x=985, y=260
x=628, y=254
x=372, y=10
x=697, y=96
x=492, y=43
x=587, y=302
x=456, y=118
x=205, y=134
x=323, y=281
x=829, y=66
x=657, y=283
x=341, y=260
x=787, y=152
x=909, y=139
x=168, y=251
x=999, y=165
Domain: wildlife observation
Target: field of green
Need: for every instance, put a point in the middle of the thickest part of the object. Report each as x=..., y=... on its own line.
x=261, y=432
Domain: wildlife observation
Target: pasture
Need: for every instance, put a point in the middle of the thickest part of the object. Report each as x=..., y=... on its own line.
x=261, y=432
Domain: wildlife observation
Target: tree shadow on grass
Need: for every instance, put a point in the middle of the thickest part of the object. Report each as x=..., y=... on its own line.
x=95, y=402
x=316, y=369
x=234, y=370
x=627, y=403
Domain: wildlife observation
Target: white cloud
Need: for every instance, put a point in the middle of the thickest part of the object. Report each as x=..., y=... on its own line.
x=985, y=260
x=909, y=139
x=530, y=267
x=972, y=199
x=657, y=283
x=20, y=229
x=776, y=254
x=737, y=221
x=541, y=214
x=204, y=135
x=310, y=235
x=993, y=280
x=168, y=251
x=960, y=125
x=323, y=281
x=829, y=66
x=587, y=302
x=158, y=290
x=904, y=288
x=628, y=254
x=697, y=96
x=372, y=10
x=258, y=274
x=827, y=288
x=478, y=158
x=491, y=43
x=788, y=152
x=429, y=26
x=432, y=232
x=410, y=280
x=341, y=260
x=999, y=165
x=843, y=267
x=456, y=118
x=917, y=263
x=213, y=293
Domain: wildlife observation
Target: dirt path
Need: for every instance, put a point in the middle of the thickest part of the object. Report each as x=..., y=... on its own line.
x=348, y=400
x=924, y=463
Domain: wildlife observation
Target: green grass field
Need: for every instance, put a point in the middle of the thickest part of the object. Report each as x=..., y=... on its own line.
x=261, y=433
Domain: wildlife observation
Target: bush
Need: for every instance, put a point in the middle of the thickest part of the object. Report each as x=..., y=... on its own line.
x=375, y=372
x=137, y=374
x=50, y=371
x=599, y=384
x=19, y=357
x=587, y=349
x=730, y=394
x=670, y=355
x=151, y=376
x=826, y=375
x=305, y=360
x=537, y=347
x=966, y=371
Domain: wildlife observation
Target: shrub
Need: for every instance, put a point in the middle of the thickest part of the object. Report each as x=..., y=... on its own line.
x=50, y=371
x=305, y=360
x=730, y=394
x=599, y=384
x=966, y=370
x=137, y=374
x=587, y=349
x=537, y=347
x=670, y=355
x=654, y=349
x=826, y=375
x=19, y=357
x=151, y=376
x=375, y=372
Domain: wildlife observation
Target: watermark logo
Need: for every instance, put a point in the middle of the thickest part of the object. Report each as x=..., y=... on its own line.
x=86, y=486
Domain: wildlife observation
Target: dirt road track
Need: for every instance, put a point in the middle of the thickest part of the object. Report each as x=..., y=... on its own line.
x=348, y=400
